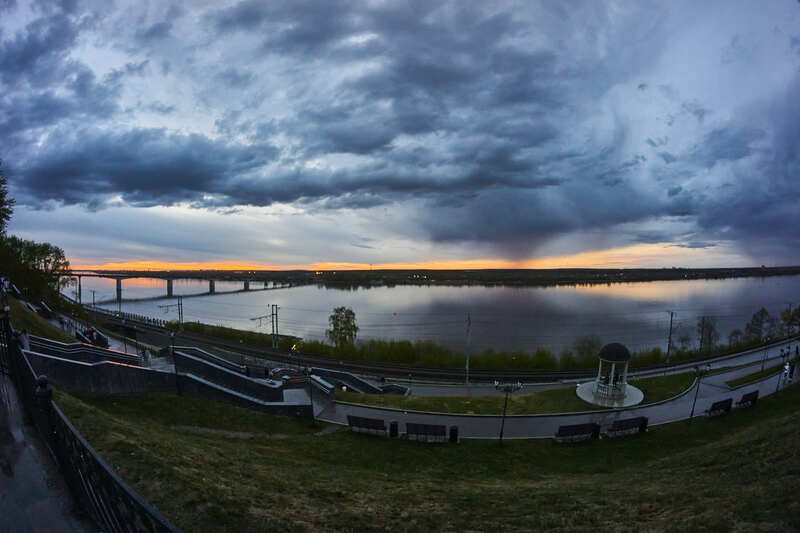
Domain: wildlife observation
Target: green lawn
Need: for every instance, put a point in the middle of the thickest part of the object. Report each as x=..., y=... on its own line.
x=550, y=401
x=24, y=318
x=724, y=369
x=755, y=376
x=739, y=472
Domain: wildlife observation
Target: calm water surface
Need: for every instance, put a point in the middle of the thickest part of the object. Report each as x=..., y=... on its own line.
x=504, y=318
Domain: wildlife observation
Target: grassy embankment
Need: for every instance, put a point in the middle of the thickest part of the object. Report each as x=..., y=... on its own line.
x=755, y=376
x=211, y=467
x=428, y=354
x=24, y=318
x=548, y=401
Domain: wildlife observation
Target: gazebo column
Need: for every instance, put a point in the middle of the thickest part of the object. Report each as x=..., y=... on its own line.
x=625, y=375
x=599, y=370
x=611, y=378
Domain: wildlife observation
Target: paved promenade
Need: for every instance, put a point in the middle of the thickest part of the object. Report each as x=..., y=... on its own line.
x=711, y=389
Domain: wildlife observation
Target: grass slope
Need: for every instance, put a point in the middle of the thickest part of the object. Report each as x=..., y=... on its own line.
x=548, y=401
x=755, y=376
x=24, y=318
x=739, y=472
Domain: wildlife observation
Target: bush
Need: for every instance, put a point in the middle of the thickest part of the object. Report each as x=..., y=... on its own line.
x=648, y=357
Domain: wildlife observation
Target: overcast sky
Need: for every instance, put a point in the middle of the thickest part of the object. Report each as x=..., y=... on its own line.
x=495, y=133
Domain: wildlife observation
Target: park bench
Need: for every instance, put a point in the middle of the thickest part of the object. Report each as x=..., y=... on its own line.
x=628, y=426
x=720, y=408
x=426, y=432
x=360, y=424
x=577, y=433
x=748, y=400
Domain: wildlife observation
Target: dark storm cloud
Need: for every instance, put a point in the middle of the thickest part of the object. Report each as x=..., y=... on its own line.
x=667, y=157
x=496, y=123
x=159, y=107
x=732, y=143
x=758, y=208
x=235, y=78
x=81, y=97
x=696, y=244
x=145, y=167
x=158, y=31
x=39, y=54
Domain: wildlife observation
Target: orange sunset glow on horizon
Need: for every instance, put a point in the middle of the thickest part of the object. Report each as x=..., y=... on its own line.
x=636, y=256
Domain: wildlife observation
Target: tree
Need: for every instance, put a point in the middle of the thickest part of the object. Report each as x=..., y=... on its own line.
x=343, y=327
x=685, y=339
x=6, y=203
x=707, y=332
x=35, y=266
x=756, y=329
x=789, y=319
x=587, y=348
x=735, y=337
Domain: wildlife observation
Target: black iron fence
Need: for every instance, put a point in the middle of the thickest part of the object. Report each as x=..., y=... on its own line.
x=111, y=503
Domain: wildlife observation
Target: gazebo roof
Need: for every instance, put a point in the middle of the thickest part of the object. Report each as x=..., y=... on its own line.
x=614, y=353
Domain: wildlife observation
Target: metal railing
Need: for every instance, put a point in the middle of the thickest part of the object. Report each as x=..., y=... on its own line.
x=607, y=390
x=107, y=499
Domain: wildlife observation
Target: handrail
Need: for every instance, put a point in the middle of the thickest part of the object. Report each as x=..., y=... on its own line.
x=111, y=503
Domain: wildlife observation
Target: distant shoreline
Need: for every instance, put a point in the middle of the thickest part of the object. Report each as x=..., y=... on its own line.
x=493, y=277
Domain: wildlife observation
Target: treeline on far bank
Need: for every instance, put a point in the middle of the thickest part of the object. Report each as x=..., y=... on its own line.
x=581, y=356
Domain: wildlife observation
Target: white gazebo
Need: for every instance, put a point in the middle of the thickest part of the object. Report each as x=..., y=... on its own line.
x=610, y=388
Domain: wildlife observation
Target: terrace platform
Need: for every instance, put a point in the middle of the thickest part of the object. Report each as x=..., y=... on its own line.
x=633, y=396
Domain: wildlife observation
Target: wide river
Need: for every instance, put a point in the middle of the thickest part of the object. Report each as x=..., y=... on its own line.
x=503, y=318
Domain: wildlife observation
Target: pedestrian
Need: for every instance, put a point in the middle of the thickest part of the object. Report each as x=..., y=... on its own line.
x=24, y=340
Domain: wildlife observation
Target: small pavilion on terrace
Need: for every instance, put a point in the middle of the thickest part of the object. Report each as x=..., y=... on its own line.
x=610, y=388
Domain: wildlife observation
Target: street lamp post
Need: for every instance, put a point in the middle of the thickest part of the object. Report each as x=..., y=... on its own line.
x=310, y=393
x=124, y=338
x=174, y=361
x=780, y=371
x=700, y=372
x=507, y=389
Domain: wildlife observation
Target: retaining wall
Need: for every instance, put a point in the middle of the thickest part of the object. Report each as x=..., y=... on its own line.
x=106, y=377
x=227, y=378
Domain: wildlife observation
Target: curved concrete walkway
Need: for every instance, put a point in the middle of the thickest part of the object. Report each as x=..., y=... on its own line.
x=33, y=497
x=711, y=389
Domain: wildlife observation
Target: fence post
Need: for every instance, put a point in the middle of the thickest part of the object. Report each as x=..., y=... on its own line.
x=5, y=338
x=44, y=398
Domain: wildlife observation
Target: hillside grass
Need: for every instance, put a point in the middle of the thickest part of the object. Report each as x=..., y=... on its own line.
x=738, y=472
x=540, y=402
x=755, y=376
x=24, y=318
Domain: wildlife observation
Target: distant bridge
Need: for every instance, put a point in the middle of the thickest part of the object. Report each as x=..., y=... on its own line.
x=248, y=283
